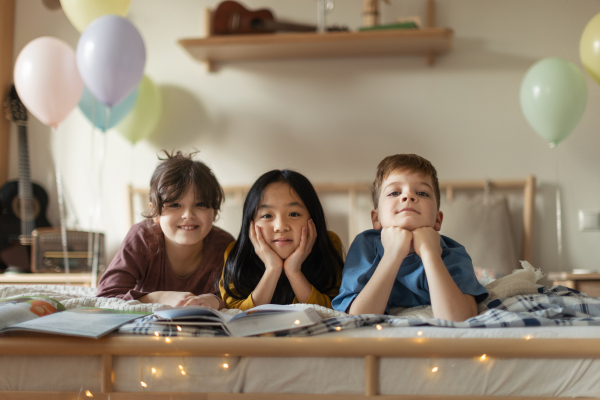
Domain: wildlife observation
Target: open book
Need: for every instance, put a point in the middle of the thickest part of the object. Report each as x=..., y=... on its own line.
x=262, y=319
x=43, y=314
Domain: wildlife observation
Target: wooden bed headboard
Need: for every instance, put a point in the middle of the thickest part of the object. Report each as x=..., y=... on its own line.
x=353, y=193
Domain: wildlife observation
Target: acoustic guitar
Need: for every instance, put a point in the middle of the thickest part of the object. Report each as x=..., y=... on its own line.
x=232, y=18
x=23, y=204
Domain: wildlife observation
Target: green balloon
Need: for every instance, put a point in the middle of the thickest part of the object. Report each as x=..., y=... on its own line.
x=553, y=98
x=142, y=120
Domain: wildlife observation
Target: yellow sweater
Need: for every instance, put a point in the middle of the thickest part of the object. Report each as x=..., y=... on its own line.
x=316, y=297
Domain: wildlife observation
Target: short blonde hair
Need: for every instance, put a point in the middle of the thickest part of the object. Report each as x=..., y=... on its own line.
x=409, y=162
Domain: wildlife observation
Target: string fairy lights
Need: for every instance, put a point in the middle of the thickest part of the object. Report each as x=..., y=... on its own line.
x=88, y=393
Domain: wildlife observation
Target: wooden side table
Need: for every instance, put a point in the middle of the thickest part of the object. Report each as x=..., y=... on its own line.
x=79, y=279
x=586, y=283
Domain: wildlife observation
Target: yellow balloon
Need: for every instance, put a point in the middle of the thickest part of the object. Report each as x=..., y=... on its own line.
x=144, y=117
x=82, y=12
x=589, y=48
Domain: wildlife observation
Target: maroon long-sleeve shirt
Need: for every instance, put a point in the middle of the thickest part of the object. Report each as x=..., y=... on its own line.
x=141, y=265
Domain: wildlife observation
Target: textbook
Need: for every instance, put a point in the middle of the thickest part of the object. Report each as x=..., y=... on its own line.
x=267, y=318
x=43, y=314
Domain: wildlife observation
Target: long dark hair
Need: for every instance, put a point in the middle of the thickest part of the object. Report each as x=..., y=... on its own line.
x=244, y=268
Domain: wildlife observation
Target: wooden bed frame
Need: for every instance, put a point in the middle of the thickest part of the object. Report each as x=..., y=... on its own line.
x=372, y=349
x=352, y=190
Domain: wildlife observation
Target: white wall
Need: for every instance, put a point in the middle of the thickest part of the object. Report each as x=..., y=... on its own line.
x=334, y=120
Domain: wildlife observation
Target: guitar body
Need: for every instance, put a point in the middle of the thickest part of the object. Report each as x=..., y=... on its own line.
x=12, y=252
x=231, y=18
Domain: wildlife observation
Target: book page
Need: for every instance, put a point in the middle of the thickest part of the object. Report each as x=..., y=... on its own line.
x=21, y=309
x=82, y=321
x=192, y=312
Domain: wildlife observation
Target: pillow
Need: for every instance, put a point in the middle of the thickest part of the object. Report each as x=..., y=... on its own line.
x=485, y=229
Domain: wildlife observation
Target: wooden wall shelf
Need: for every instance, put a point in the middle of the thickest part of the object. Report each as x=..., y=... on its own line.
x=284, y=46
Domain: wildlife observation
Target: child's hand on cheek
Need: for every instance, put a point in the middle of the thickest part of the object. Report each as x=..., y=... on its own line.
x=307, y=240
x=396, y=242
x=263, y=250
x=426, y=241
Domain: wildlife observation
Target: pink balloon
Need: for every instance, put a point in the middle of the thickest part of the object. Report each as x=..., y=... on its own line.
x=47, y=79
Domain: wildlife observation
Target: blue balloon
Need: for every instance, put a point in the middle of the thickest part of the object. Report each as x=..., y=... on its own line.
x=96, y=111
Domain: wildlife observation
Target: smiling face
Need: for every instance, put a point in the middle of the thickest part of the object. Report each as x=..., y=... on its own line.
x=407, y=200
x=186, y=221
x=281, y=215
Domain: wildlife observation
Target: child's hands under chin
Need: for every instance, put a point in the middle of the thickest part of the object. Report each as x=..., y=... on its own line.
x=294, y=262
x=396, y=242
x=263, y=250
x=426, y=241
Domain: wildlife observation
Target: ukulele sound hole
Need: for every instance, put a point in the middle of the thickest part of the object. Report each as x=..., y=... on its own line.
x=257, y=23
x=32, y=210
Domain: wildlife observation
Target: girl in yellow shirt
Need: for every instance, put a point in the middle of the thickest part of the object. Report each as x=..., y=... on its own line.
x=284, y=253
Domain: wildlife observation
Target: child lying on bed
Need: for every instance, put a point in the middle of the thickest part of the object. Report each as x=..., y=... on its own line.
x=404, y=261
x=176, y=256
x=284, y=253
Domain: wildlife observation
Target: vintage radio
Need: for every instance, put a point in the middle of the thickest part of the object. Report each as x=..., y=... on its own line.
x=47, y=254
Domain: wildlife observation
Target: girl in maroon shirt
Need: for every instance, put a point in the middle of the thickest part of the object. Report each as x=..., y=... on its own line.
x=175, y=257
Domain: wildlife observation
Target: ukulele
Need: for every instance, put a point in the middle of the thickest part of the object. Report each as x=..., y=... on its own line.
x=231, y=18
x=23, y=203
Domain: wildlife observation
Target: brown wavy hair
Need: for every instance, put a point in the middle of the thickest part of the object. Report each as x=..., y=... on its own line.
x=408, y=162
x=173, y=177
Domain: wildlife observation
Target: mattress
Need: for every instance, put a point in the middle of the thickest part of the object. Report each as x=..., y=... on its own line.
x=409, y=376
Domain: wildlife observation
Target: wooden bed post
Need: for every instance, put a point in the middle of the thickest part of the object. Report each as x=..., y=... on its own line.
x=371, y=376
x=106, y=374
x=528, y=215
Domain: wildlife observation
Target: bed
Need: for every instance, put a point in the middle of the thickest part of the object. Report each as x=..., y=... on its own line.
x=385, y=358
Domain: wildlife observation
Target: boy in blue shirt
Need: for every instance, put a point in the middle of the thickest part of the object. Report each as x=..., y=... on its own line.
x=404, y=261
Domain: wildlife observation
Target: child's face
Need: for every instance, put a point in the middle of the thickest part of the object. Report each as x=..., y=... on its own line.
x=186, y=221
x=407, y=200
x=281, y=215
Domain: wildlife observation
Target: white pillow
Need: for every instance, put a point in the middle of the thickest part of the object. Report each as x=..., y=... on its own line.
x=485, y=229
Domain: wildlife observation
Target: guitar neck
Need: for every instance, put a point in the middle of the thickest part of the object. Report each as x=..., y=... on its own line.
x=25, y=186
x=290, y=27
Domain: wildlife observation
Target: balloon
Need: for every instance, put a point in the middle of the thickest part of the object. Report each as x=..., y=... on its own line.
x=589, y=48
x=553, y=98
x=82, y=12
x=111, y=57
x=96, y=112
x=145, y=115
x=47, y=80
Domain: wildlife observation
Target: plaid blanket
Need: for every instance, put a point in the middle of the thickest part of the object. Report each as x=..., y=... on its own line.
x=555, y=305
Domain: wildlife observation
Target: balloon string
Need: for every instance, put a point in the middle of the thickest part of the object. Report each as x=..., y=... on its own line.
x=61, y=210
x=558, y=214
x=92, y=191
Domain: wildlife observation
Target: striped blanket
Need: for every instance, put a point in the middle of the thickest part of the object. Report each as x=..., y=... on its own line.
x=551, y=306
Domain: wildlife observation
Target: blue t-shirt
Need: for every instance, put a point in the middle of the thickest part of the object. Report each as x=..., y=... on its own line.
x=410, y=288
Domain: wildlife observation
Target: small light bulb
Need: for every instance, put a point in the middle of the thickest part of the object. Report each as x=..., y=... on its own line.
x=167, y=340
x=156, y=333
x=178, y=328
x=88, y=393
x=434, y=369
x=420, y=333
x=379, y=327
x=182, y=372
x=143, y=384
x=153, y=370
x=181, y=367
x=527, y=337
x=338, y=328
x=225, y=366
x=297, y=322
x=483, y=357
